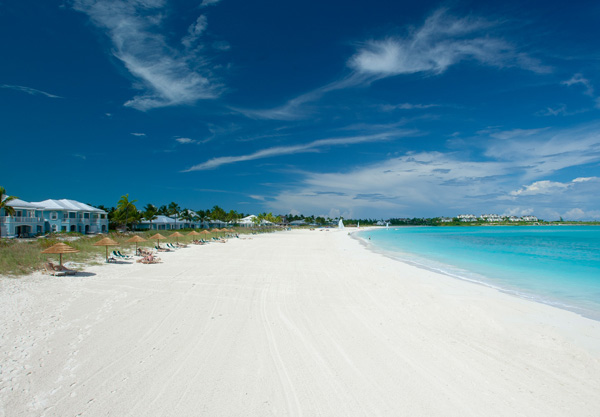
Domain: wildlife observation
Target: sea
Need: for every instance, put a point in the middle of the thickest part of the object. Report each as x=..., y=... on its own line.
x=556, y=265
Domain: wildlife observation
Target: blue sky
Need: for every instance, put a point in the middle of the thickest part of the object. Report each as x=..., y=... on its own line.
x=362, y=109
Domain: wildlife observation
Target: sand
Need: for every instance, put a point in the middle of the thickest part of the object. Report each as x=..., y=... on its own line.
x=301, y=323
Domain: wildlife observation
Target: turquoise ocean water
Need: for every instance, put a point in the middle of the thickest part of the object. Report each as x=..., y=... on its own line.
x=557, y=265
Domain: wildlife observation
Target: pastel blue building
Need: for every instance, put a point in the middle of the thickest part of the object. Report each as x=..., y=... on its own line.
x=35, y=218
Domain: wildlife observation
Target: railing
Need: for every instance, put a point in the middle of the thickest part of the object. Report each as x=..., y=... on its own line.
x=12, y=219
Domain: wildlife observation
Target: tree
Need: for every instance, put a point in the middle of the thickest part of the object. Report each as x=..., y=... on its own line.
x=150, y=213
x=4, y=200
x=186, y=215
x=232, y=216
x=174, y=210
x=217, y=213
x=124, y=208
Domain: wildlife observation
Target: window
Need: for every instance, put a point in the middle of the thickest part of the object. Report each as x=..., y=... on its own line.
x=54, y=228
x=53, y=216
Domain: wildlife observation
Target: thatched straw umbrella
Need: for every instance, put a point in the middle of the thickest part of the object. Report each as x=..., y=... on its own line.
x=60, y=248
x=158, y=237
x=135, y=240
x=106, y=242
x=193, y=233
x=176, y=235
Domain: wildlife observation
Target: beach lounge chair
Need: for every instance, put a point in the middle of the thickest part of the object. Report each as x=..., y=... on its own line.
x=161, y=249
x=118, y=254
x=50, y=270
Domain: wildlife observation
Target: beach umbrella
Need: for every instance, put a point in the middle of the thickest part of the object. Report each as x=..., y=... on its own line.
x=60, y=248
x=136, y=239
x=193, y=233
x=158, y=237
x=106, y=242
x=176, y=235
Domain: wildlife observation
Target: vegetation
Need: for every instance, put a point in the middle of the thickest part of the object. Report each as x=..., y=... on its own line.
x=21, y=257
x=4, y=200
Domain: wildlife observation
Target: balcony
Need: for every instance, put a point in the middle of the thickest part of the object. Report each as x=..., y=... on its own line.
x=12, y=219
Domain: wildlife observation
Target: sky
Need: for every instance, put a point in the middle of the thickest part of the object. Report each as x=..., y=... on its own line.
x=379, y=109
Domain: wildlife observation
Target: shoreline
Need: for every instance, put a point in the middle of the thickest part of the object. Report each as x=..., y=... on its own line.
x=478, y=278
x=291, y=323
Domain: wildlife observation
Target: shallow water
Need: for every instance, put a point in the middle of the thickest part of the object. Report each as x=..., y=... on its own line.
x=557, y=265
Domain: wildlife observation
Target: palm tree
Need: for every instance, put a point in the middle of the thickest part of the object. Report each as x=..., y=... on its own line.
x=124, y=206
x=150, y=213
x=4, y=200
x=174, y=210
x=186, y=215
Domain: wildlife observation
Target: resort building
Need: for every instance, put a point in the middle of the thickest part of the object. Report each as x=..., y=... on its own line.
x=467, y=217
x=529, y=219
x=491, y=217
x=36, y=218
x=173, y=223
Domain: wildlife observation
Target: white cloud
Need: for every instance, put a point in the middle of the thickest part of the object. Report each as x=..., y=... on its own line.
x=541, y=152
x=206, y=3
x=441, y=42
x=514, y=133
x=578, y=79
x=300, y=148
x=28, y=90
x=541, y=187
x=138, y=134
x=195, y=31
x=408, y=106
x=448, y=183
x=185, y=140
x=166, y=76
x=579, y=214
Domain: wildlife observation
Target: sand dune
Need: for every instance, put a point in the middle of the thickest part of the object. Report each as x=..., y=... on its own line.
x=302, y=323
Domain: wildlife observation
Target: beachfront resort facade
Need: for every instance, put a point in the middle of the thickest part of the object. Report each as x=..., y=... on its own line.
x=50, y=216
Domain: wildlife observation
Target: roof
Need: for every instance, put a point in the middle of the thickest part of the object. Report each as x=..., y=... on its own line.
x=17, y=203
x=65, y=204
x=160, y=219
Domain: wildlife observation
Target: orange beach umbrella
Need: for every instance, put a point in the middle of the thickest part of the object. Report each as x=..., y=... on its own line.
x=136, y=239
x=60, y=248
x=106, y=242
x=158, y=237
x=176, y=235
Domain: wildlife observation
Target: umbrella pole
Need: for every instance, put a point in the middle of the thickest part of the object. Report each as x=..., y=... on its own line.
x=106, y=253
x=60, y=259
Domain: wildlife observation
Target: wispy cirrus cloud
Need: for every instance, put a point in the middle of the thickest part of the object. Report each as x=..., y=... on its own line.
x=29, y=90
x=408, y=106
x=442, y=41
x=185, y=141
x=166, y=76
x=578, y=79
x=139, y=134
x=300, y=148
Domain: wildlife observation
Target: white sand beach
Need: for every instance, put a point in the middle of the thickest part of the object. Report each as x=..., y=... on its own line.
x=300, y=323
